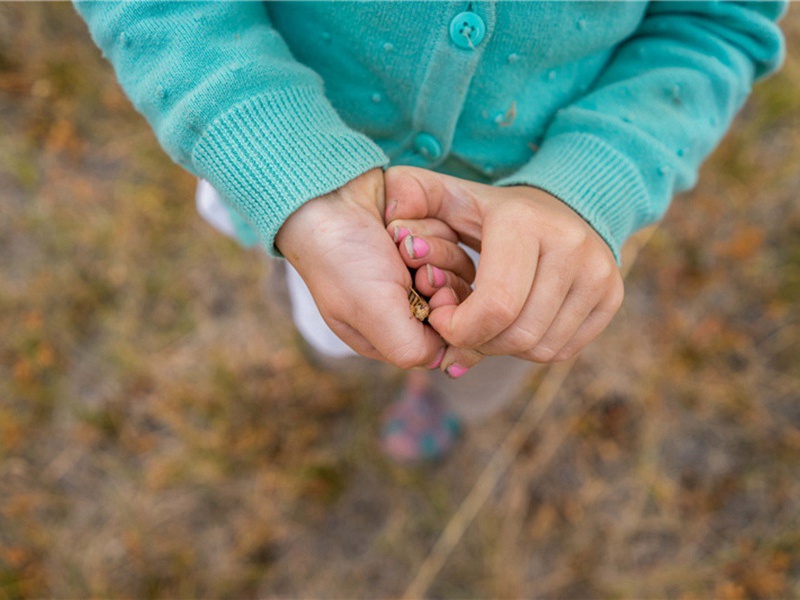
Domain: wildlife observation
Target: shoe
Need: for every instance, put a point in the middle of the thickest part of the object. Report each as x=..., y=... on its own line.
x=417, y=426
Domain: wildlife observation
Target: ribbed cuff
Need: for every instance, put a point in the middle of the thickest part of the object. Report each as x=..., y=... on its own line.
x=594, y=179
x=269, y=155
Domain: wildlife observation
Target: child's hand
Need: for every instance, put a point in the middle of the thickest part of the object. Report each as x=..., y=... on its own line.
x=339, y=245
x=546, y=285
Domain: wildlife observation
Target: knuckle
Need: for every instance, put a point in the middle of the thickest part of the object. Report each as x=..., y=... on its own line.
x=573, y=237
x=459, y=334
x=543, y=354
x=490, y=318
x=521, y=338
x=500, y=310
x=603, y=280
x=601, y=267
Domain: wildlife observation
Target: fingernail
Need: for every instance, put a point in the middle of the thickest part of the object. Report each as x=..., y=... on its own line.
x=399, y=234
x=391, y=206
x=438, y=360
x=416, y=247
x=455, y=370
x=436, y=276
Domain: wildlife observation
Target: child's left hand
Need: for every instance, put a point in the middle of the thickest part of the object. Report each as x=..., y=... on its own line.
x=546, y=284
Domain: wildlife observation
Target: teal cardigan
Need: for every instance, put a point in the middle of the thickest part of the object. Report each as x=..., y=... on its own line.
x=610, y=106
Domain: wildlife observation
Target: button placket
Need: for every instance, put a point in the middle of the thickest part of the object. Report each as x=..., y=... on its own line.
x=450, y=69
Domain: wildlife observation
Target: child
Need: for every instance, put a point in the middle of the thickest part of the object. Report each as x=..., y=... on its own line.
x=543, y=134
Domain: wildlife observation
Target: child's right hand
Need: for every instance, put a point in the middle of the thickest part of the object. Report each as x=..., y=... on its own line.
x=546, y=285
x=339, y=245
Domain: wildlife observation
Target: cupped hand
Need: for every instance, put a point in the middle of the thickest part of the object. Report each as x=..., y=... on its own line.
x=546, y=284
x=339, y=245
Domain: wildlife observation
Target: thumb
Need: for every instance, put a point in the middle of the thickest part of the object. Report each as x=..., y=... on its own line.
x=413, y=193
x=388, y=324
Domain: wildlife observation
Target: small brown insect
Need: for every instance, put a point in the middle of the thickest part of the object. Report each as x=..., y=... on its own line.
x=419, y=307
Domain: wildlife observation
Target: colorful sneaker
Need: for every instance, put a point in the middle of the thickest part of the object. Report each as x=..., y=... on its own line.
x=417, y=426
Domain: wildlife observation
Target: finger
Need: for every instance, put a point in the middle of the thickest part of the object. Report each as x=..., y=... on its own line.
x=414, y=193
x=445, y=297
x=418, y=252
x=410, y=194
x=386, y=322
x=429, y=279
x=423, y=227
x=593, y=325
x=457, y=361
x=503, y=282
x=360, y=344
x=354, y=340
x=574, y=311
x=416, y=343
x=548, y=294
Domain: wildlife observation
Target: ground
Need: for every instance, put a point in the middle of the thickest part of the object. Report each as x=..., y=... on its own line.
x=163, y=434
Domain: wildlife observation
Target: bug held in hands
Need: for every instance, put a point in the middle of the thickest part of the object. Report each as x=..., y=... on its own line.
x=419, y=306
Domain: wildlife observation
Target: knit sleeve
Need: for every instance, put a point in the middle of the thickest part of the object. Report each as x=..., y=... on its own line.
x=229, y=103
x=619, y=153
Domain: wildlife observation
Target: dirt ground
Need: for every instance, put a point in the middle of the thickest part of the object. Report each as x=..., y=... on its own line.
x=162, y=433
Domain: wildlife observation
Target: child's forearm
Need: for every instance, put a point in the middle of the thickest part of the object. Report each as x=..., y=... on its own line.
x=229, y=103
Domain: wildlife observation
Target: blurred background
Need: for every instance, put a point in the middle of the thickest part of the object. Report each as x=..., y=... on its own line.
x=163, y=435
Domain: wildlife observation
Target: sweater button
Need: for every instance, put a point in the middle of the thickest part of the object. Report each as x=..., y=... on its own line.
x=467, y=30
x=427, y=146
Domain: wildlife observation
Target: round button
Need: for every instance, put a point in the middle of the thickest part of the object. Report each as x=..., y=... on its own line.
x=427, y=145
x=467, y=30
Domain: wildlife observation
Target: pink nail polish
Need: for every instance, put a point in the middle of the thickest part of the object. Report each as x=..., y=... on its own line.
x=436, y=276
x=438, y=360
x=455, y=370
x=416, y=247
x=400, y=234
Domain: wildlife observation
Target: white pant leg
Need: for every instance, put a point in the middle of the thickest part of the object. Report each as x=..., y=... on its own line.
x=213, y=209
x=305, y=314
x=309, y=321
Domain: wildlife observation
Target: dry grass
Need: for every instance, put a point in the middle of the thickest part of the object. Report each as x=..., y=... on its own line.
x=162, y=434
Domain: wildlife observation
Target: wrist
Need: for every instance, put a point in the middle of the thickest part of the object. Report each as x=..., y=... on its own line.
x=568, y=212
x=298, y=230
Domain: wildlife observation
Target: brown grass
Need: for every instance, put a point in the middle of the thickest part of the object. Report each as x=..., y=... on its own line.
x=162, y=434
